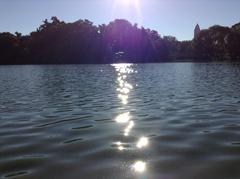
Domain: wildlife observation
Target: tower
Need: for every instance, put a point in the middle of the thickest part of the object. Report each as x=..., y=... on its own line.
x=197, y=30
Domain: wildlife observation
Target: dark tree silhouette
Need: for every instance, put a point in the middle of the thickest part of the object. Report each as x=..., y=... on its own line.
x=81, y=42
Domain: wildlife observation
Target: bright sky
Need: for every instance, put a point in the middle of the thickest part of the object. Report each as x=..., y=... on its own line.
x=168, y=17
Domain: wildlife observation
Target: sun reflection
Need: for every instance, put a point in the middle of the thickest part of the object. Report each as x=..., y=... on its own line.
x=143, y=142
x=128, y=128
x=123, y=118
x=131, y=124
x=121, y=148
x=124, y=77
x=124, y=89
x=139, y=166
x=124, y=98
x=129, y=86
x=119, y=143
x=123, y=67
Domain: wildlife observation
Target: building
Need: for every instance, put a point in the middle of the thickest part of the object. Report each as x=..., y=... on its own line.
x=197, y=30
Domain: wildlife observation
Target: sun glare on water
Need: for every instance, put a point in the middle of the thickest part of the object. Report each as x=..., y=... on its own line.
x=139, y=166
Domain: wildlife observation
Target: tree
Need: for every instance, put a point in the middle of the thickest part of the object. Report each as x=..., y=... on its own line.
x=58, y=42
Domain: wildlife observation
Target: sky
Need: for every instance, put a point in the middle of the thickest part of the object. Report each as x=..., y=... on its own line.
x=169, y=17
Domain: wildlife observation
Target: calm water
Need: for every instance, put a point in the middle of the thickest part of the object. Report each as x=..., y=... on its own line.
x=146, y=121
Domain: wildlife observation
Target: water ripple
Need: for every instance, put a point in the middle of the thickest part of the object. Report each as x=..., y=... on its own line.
x=168, y=121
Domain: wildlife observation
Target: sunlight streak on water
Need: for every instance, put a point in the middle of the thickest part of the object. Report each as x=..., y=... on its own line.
x=124, y=89
x=124, y=98
x=123, y=68
x=60, y=121
x=128, y=128
x=119, y=143
x=121, y=148
x=139, y=166
x=143, y=142
x=123, y=118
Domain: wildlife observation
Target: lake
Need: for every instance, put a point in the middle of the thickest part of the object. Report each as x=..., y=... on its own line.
x=147, y=121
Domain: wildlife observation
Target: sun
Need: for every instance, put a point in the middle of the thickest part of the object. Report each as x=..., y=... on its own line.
x=130, y=2
x=127, y=7
x=126, y=2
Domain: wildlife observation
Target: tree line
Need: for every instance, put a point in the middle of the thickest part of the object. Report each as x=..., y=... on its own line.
x=82, y=42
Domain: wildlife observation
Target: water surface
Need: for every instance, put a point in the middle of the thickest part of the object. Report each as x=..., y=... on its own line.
x=147, y=121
